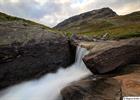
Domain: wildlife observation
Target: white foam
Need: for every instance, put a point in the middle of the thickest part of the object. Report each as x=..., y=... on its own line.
x=49, y=86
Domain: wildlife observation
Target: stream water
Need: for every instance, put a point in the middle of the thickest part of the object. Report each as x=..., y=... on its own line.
x=49, y=86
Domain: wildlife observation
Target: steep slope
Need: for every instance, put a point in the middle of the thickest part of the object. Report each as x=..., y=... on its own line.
x=29, y=50
x=84, y=17
x=106, y=22
x=21, y=30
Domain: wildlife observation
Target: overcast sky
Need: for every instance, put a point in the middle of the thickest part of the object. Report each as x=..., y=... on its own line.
x=51, y=12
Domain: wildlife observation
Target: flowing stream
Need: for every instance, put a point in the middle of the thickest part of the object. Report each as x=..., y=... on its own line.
x=49, y=86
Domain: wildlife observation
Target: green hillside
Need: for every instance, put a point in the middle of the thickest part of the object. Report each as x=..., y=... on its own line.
x=115, y=27
x=4, y=17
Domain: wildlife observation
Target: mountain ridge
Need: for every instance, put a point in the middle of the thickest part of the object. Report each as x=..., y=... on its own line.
x=98, y=13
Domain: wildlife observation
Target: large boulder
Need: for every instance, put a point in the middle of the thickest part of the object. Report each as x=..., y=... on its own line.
x=29, y=50
x=90, y=89
x=106, y=56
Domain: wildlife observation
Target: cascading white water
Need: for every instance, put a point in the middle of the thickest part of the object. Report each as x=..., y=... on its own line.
x=49, y=86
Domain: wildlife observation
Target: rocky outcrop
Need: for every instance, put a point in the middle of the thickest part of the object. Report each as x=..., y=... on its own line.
x=29, y=50
x=89, y=89
x=107, y=56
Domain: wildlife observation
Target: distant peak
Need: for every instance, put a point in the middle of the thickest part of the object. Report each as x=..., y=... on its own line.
x=94, y=14
x=105, y=10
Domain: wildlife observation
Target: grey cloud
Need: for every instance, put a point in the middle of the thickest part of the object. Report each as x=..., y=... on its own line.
x=114, y=4
x=29, y=8
x=57, y=11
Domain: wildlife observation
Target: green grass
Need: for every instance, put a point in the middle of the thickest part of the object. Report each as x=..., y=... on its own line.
x=118, y=27
x=4, y=17
x=118, y=32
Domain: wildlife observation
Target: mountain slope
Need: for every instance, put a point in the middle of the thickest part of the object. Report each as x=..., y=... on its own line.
x=21, y=30
x=84, y=17
x=109, y=23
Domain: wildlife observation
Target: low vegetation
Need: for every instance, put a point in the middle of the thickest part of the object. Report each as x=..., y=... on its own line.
x=118, y=27
x=4, y=17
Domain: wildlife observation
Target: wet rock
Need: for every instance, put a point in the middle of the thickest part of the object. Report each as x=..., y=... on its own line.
x=130, y=80
x=88, y=89
x=109, y=55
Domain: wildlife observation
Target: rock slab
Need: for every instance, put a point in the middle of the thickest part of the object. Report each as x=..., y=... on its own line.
x=111, y=55
x=102, y=89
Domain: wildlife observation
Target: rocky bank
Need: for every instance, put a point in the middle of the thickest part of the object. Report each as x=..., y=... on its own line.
x=29, y=50
x=117, y=68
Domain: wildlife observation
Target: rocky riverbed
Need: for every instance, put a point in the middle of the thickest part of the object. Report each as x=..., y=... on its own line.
x=117, y=68
x=29, y=51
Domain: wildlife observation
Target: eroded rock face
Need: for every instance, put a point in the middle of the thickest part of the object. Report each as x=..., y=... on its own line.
x=130, y=84
x=105, y=57
x=129, y=79
x=102, y=89
x=29, y=51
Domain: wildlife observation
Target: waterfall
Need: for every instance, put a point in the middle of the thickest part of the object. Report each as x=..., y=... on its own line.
x=49, y=86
